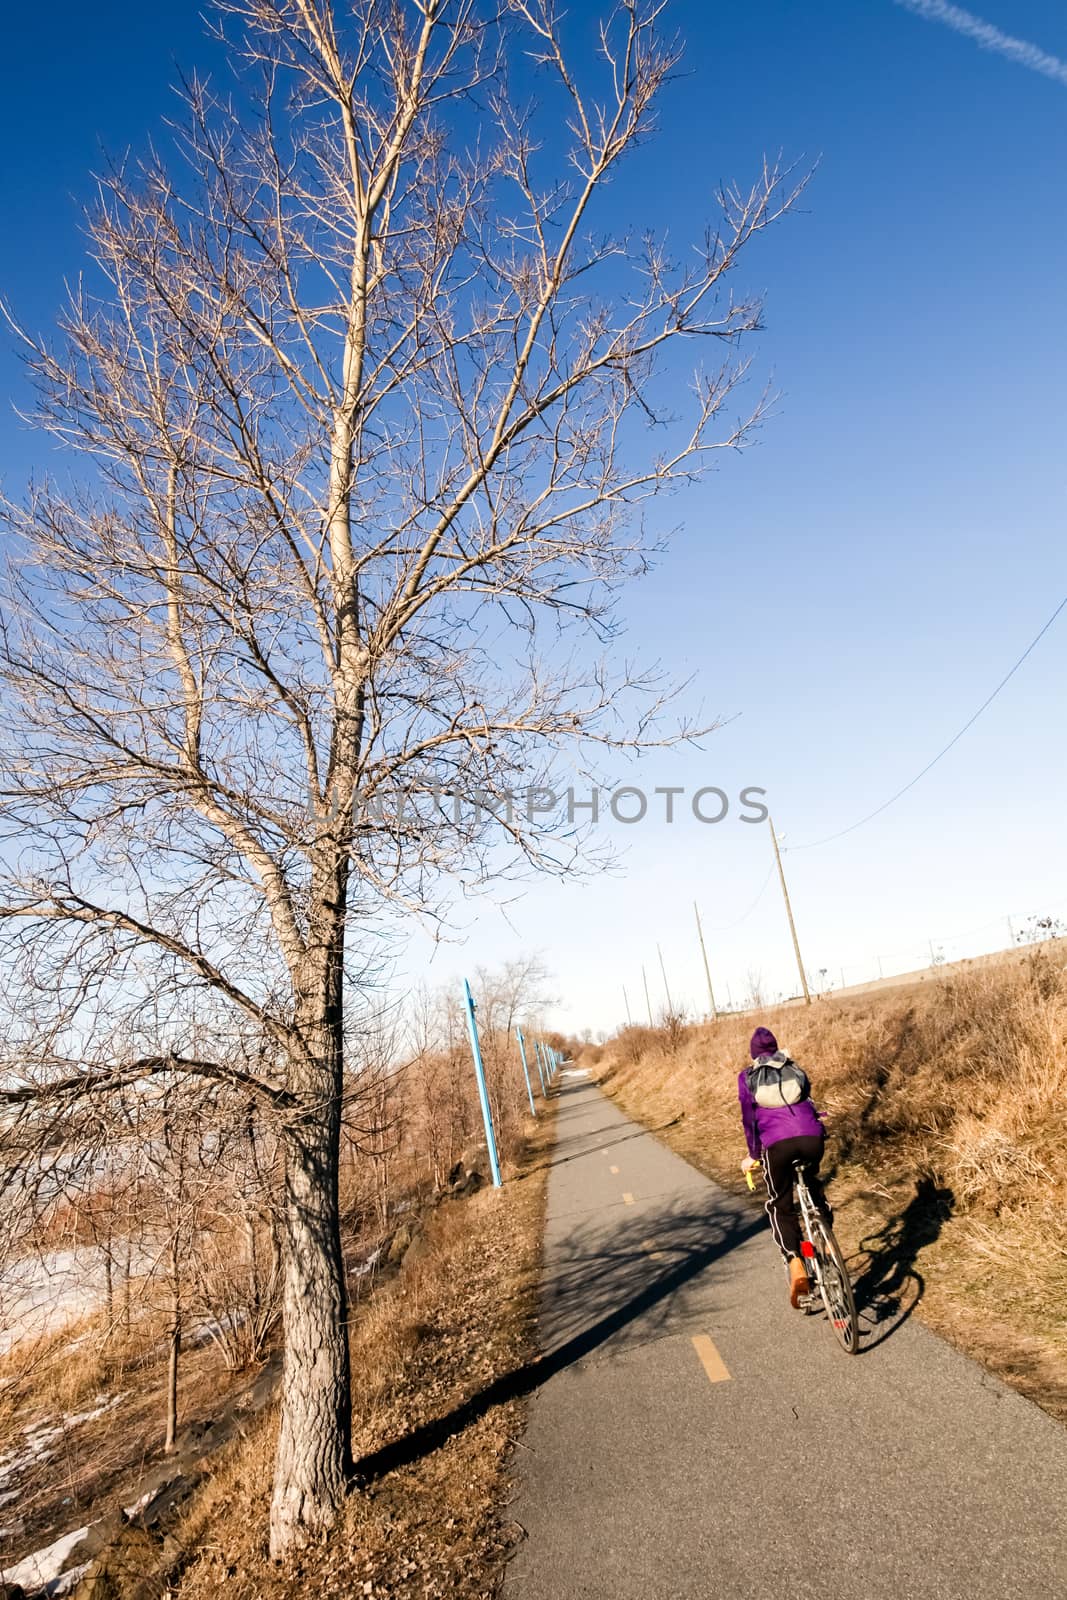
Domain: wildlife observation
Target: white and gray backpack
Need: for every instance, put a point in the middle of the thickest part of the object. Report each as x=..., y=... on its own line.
x=777, y=1081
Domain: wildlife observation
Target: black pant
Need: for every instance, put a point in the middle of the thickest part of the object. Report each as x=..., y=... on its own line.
x=778, y=1162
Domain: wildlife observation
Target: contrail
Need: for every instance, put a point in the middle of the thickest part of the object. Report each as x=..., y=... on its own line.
x=989, y=37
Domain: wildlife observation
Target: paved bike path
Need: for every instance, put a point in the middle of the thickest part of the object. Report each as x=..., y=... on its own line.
x=698, y=1438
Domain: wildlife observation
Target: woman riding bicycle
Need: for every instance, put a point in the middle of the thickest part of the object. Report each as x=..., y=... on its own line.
x=782, y=1127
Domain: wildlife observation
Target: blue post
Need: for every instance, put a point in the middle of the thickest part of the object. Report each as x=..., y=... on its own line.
x=540, y=1071
x=525, y=1069
x=483, y=1090
x=542, y=1062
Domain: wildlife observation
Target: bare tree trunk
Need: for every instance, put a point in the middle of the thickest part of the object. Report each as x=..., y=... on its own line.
x=127, y=1264
x=314, y=1458
x=173, y=1356
x=109, y=1288
x=255, y=1286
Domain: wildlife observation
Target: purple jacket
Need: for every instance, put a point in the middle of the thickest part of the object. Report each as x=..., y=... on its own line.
x=766, y=1125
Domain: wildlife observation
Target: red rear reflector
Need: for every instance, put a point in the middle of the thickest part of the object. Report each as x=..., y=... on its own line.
x=807, y=1249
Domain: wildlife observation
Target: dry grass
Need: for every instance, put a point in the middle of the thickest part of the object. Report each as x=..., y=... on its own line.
x=392, y=1170
x=459, y=1316
x=67, y=1368
x=102, y=1431
x=948, y=1147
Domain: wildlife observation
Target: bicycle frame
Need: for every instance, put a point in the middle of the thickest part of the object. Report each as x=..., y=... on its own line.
x=804, y=1200
x=813, y=1262
x=820, y=1247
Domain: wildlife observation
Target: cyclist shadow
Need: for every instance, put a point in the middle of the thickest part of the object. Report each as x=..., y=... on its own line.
x=889, y=1285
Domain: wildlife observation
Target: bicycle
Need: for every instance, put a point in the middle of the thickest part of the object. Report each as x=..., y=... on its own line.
x=826, y=1264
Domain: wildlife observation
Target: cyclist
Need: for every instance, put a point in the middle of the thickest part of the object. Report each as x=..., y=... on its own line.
x=781, y=1126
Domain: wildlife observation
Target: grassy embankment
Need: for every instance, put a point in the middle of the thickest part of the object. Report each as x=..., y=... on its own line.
x=457, y=1318
x=947, y=1108
x=430, y=1520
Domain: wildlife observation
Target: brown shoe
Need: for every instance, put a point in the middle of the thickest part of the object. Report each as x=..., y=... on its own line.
x=799, y=1283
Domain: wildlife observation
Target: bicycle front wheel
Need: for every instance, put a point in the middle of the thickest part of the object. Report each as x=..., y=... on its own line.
x=835, y=1286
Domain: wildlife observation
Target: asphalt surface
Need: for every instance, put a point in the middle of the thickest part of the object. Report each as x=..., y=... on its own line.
x=696, y=1437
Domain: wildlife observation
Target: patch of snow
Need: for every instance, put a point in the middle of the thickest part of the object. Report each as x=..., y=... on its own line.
x=37, y=1442
x=45, y=1567
x=67, y=1580
x=368, y=1265
x=38, y=1439
x=102, y=1405
x=138, y=1505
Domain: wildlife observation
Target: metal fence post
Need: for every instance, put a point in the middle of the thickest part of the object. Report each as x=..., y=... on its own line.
x=483, y=1088
x=525, y=1069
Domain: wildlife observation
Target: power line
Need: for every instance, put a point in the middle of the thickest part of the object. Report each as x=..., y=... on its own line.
x=726, y=926
x=815, y=843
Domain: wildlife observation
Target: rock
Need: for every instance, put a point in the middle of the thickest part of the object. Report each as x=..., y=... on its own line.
x=400, y=1244
x=469, y=1172
x=466, y=1183
x=99, y=1536
x=163, y=1505
x=132, y=1567
x=475, y=1158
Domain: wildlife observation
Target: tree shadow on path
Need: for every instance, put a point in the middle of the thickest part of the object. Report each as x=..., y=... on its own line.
x=889, y=1285
x=592, y=1296
x=594, y=1141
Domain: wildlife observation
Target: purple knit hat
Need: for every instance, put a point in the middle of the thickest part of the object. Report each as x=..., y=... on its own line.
x=762, y=1043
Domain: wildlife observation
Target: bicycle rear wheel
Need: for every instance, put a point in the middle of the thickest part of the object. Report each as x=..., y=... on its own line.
x=835, y=1286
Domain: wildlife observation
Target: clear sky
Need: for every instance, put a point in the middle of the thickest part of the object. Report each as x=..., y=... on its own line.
x=849, y=591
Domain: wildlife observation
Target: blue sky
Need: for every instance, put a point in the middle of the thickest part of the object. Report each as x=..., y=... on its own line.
x=850, y=590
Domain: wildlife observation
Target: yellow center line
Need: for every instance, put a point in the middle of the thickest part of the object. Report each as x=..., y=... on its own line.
x=615, y=1170
x=627, y=1199
x=710, y=1359
x=649, y=1246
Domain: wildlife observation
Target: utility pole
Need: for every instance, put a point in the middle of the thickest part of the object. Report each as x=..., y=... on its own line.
x=648, y=1002
x=707, y=969
x=626, y=1003
x=666, y=986
x=789, y=913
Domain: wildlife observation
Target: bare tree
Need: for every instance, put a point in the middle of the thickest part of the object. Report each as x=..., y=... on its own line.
x=362, y=410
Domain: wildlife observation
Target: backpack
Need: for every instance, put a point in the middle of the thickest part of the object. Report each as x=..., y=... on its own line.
x=777, y=1081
